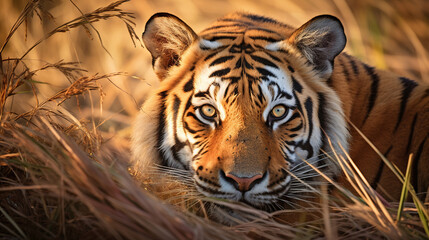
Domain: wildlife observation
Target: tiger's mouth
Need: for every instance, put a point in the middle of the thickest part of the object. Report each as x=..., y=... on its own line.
x=260, y=192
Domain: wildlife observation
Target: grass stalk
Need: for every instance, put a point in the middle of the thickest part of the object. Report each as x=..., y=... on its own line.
x=404, y=192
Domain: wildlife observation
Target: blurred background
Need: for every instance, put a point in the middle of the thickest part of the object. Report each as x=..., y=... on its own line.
x=388, y=34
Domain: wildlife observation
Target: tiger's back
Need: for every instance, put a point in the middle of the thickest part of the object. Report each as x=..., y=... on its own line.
x=242, y=103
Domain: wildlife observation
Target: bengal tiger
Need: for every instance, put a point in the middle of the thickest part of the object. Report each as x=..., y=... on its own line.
x=243, y=105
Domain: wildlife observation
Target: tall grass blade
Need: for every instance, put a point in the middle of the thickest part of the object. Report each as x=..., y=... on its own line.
x=404, y=192
x=421, y=210
x=15, y=225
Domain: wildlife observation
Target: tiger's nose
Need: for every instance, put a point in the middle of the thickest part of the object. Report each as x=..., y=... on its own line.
x=243, y=184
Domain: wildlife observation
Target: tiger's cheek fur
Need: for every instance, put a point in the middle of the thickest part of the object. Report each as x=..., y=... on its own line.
x=290, y=135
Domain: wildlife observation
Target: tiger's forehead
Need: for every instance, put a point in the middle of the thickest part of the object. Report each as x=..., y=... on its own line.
x=240, y=64
x=252, y=25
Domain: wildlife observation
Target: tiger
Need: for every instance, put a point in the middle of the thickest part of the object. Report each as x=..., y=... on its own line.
x=246, y=103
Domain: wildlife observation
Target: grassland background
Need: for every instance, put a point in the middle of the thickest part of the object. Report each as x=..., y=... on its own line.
x=391, y=35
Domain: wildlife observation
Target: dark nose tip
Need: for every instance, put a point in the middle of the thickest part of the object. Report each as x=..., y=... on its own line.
x=244, y=184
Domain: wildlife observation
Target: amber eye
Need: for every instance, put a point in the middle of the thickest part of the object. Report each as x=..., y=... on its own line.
x=208, y=111
x=279, y=112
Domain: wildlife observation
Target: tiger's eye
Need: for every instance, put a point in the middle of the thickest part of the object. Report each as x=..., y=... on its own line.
x=278, y=111
x=208, y=111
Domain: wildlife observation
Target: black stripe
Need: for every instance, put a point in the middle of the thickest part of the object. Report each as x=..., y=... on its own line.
x=353, y=64
x=193, y=131
x=285, y=152
x=192, y=115
x=188, y=104
x=297, y=127
x=260, y=95
x=410, y=138
x=345, y=71
x=161, y=128
x=296, y=85
x=407, y=87
x=291, y=69
x=247, y=64
x=221, y=37
x=284, y=95
x=264, y=72
x=232, y=32
x=203, y=94
x=258, y=18
x=268, y=39
x=309, y=108
x=202, y=145
x=224, y=26
x=211, y=55
x=220, y=73
x=323, y=121
x=235, y=92
x=176, y=106
x=221, y=60
x=264, y=61
x=238, y=64
x=257, y=104
x=250, y=78
x=298, y=106
x=280, y=93
x=376, y=180
x=415, y=167
x=373, y=91
x=226, y=91
x=178, y=145
x=273, y=57
x=294, y=116
x=323, y=118
x=217, y=51
x=308, y=104
x=239, y=48
x=235, y=20
x=189, y=86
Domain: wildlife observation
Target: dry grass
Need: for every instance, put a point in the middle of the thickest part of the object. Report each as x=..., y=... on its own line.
x=72, y=79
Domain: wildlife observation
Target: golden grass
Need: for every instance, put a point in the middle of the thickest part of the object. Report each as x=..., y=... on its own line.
x=73, y=74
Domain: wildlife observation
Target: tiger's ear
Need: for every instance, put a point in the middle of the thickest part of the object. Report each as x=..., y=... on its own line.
x=166, y=37
x=320, y=40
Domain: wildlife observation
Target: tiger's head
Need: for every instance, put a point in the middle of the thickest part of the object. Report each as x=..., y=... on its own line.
x=244, y=106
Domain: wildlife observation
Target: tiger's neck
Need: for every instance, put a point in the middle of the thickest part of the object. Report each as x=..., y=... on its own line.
x=369, y=94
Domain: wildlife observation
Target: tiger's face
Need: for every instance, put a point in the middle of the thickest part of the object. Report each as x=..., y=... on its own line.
x=242, y=124
x=236, y=111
